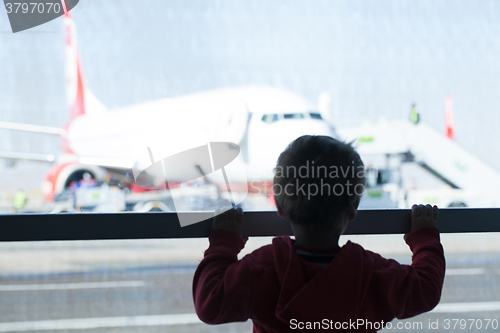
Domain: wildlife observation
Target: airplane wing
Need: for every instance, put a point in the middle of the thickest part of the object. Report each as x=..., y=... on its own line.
x=12, y=155
x=32, y=128
x=111, y=163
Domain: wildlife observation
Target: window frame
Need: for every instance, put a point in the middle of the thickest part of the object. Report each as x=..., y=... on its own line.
x=94, y=226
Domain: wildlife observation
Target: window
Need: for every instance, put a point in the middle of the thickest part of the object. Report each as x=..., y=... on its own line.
x=293, y=116
x=207, y=85
x=409, y=85
x=315, y=115
x=270, y=118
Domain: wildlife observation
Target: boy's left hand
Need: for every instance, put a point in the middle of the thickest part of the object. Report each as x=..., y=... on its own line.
x=231, y=220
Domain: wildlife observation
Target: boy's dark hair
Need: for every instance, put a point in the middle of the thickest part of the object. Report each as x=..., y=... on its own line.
x=334, y=169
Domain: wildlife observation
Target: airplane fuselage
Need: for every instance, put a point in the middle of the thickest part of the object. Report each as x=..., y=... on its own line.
x=262, y=120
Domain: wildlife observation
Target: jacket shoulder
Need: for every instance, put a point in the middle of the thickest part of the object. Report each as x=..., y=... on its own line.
x=261, y=257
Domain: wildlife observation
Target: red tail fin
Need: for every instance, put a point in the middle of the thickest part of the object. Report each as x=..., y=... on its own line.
x=81, y=101
x=75, y=91
x=75, y=83
x=449, y=121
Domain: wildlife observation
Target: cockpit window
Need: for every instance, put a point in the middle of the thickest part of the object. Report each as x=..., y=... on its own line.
x=293, y=116
x=315, y=115
x=270, y=118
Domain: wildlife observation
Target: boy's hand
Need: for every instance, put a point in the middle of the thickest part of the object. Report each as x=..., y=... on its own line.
x=423, y=217
x=231, y=220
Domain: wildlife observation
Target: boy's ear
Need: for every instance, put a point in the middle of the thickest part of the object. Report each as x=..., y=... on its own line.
x=351, y=213
x=356, y=203
x=281, y=212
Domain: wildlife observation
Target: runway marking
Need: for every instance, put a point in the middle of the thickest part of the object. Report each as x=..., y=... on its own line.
x=183, y=319
x=66, y=286
x=467, y=307
x=92, y=323
x=465, y=271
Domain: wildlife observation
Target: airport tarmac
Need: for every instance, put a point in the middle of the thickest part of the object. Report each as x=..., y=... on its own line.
x=161, y=301
x=61, y=257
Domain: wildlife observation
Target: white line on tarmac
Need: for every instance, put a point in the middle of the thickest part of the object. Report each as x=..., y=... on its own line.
x=92, y=323
x=65, y=286
x=183, y=319
x=467, y=307
x=465, y=271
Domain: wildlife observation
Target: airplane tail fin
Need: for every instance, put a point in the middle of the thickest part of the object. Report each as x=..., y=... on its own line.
x=449, y=121
x=74, y=80
x=80, y=99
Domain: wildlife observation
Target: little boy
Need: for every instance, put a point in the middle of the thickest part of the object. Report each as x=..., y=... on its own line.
x=311, y=283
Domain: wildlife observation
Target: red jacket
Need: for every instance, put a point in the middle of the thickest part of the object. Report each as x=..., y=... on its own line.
x=282, y=292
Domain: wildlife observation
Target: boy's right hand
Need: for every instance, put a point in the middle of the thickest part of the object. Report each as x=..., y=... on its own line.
x=231, y=220
x=423, y=216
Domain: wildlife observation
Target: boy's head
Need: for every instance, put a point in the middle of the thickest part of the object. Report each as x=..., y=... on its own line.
x=317, y=181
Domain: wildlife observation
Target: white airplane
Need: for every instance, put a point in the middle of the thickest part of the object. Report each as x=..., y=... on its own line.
x=261, y=120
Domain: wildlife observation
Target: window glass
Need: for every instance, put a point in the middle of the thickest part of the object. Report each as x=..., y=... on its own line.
x=270, y=118
x=293, y=116
x=91, y=103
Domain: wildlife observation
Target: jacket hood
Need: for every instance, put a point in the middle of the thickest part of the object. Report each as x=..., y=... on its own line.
x=335, y=292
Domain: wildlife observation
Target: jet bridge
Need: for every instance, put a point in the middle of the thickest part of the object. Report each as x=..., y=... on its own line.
x=471, y=182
